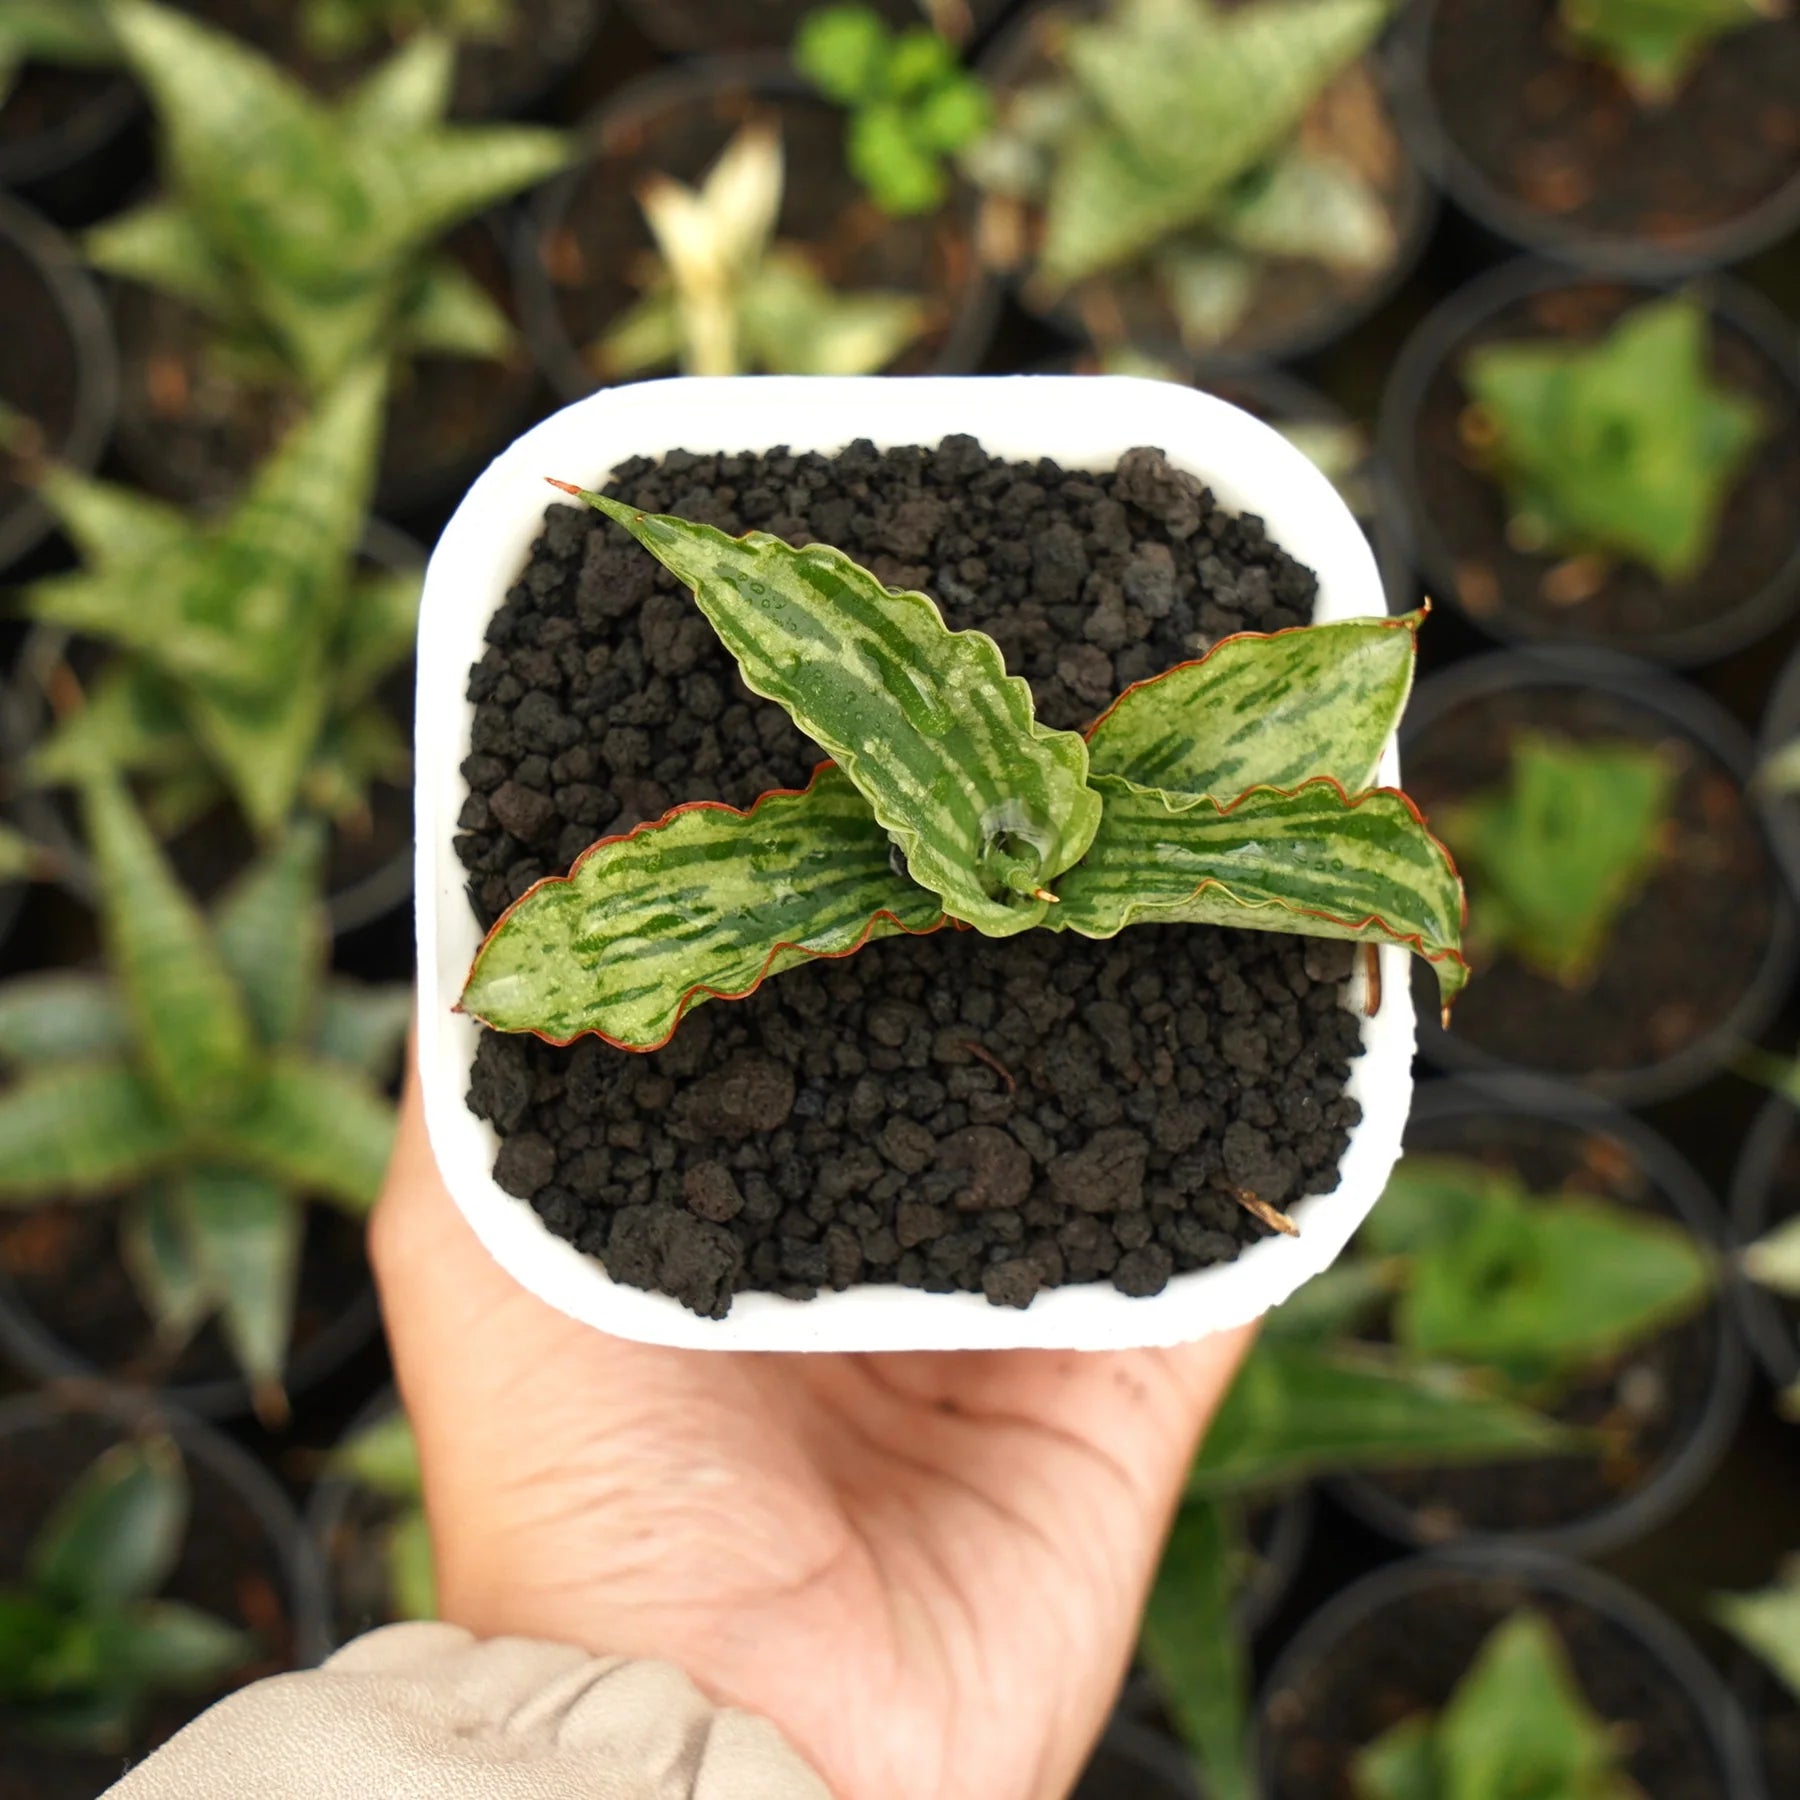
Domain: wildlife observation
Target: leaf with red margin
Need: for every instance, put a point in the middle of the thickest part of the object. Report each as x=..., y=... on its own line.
x=1313, y=859
x=705, y=903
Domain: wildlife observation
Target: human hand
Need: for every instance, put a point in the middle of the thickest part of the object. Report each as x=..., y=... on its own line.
x=926, y=1569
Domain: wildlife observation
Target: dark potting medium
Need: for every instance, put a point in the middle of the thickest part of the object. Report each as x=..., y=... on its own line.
x=1670, y=1405
x=1697, y=964
x=584, y=233
x=1398, y=1642
x=244, y=1558
x=1448, y=517
x=945, y=1112
x=1765, y=1193
x=1545, y=146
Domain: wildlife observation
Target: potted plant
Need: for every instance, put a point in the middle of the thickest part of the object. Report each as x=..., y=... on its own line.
x=1765, y=1201
x=1538, y=761
x=1600, y=461
x=58, y=371
x=688, y=27
x=1178, y=172
x=271, y=265
x=1634, y=138
x=1767, y=1624
x=723, y=192
x=514, y=832
x=148, y=1564
x=1777, y=784
x=1561, y=1254
x=1561, y=1673
x=210, y=1084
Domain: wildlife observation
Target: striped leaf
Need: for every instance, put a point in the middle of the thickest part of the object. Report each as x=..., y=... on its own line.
x=273, y=934
x=705, y=904
x=1265, y=709
x=1312, y=860
x=363, y=1026
x=83, y=1130
x=60, y=1016
x=155, y=1249
x=110, y=526
x=115, y=1536
x=317, y=1127
x=987, y=806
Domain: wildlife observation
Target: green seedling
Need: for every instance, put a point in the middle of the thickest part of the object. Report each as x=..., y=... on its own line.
x=213, y=1082
x=383, y=1458
x=722, y=297
x=1557, y=854
x=1655, y=45
x=1773, y=1261
x=62, y=33
x=335, y=28
x=1767, y=1624
x=913, y=107
x=85, y=1643
x=1626, y=448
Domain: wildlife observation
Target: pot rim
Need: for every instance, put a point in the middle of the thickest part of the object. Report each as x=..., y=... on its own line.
x=89, y=128
x=1774, y=1339
x=1085, y=421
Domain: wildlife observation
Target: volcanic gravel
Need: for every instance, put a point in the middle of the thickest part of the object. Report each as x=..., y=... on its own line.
x=949, y=1112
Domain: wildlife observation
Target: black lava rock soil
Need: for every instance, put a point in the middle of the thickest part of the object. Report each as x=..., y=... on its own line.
x=948, y=1112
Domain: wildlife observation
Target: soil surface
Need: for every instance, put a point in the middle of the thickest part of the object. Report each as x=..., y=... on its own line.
x=1460, y=513
x=1714, y=893
x=1407, y=1657
x=597, y=239
x=60, y=1265
x=228, y=1566
x=945, y=1112
x=1558, y=131
x=38, y=355
x=1649, y=1402
x=713, y=26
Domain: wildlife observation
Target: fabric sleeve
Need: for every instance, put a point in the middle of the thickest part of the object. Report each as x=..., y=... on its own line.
x=428, y=1712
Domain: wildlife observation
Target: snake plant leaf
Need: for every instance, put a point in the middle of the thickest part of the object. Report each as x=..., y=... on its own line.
x=83, y=1130
x=1192, y=1645
x=705, y=904
x=383, y=1457
x=265, y=742
x=63, y=33
x=1298, y=1410
x=1401, y=1764
x=129, y=722
x=1311, y=206
x=111, y=527
x=648, y=335
x=272, y=933
x=60, y=1016
x=986, y=805
x=452, y=314
x=169, y=1647
x=1265, y=709
x=192, y=1028
x=317, y=1127
x=408, y=92
x=116, y=1534
x=380, y=622
x=1773, y=1261
x=1339, y=1303
x=355, y=751
x=794, y=322
x=162, y=245
x=156, y=1248
x=1655, y=45
x=1768, y=1624
x=363, y=1026
x=1312, y=859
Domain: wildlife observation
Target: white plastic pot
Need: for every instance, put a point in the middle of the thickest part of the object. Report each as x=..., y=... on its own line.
x=1083, y=422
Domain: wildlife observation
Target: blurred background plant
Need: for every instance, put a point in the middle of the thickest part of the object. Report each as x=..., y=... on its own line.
x=382, y=1459
x=346, y=27
x=1655, y=45
x=66, y=33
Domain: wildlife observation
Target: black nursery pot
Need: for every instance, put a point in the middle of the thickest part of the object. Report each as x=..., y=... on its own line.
x=245, y=1557
x=1683, y=1390
x=1697, y=965
x=1546, y=148
x=584, y=233
x=1446, y=517
x=67, y=141
x=57, y=363
x=1398, y=1642
x=1765, y=1192
x=1774, y=1715
x=1133, y=1761
x=708, y=27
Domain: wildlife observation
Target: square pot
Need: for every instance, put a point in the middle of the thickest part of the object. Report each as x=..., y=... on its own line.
x=1083, y=422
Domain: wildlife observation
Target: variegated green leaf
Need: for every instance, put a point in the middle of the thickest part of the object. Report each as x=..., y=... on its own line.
x=986, y=805
x=1774, y=1260
x=317, y=1127
x=452, y=314
x=129, y=722
x=1768, y=1623
x=60, y=1016
x=354, y=752
x=408, y=92
x=1312, y=860
x=381, y=619
x=647, y=335
x=163, y=245
x=84, y=1130
x=116, y=1534
x=155, y=1247
x=363, y=1027
x=273, y=935
x=704, y=905
x=262, y=743
x=792, y=321
x=192, y=1028
x=1312, y=206
x=383, y=1457
x=111, y=527
x=1265, y=710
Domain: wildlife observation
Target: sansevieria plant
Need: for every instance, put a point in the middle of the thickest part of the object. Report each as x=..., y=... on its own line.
x=1230, y=791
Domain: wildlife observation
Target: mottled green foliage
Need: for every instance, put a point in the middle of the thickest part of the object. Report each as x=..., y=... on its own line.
x=85, y=1645
x=347, y=27
x=1627, y=447
x=383, y=1457
x=1558, y=853
x=212, y=1082
x=306, y=228
x=723, y=297
x=912, y=105
x=248, y=648
x=1518, y=1727
x=62, y=33
x=1655, y=45
x=1768, y=1623
x=1774, y=1260
x=1534, y=1289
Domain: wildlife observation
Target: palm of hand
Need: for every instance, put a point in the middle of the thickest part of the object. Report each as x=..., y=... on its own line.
x=927, y=1569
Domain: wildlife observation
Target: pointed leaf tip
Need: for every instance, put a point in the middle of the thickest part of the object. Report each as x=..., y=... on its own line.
x=566, y=487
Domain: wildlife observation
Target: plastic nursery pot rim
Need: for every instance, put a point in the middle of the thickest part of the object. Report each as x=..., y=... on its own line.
x=1680, y=1476
x=220, y=1457
x=1422, y=123
x=1774, y=1339
x=88, y=128
x=1721, y=1720
x=1781, y=812
x=1580, y=668
x=1411, y=541
x=1085, y=422
x=766, y=77
x=95, y=372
